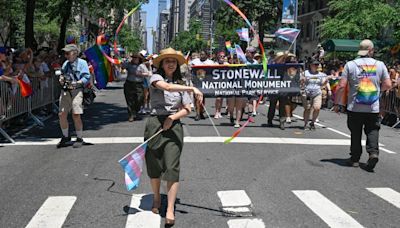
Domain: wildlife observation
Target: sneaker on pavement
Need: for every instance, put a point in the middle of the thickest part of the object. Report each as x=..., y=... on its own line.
x=371, y=163
x=65, y=141
x=312, y=126
x=197, y=118
x=288, y=120
x=254, y=114
x=78, y=143
x=236, y=126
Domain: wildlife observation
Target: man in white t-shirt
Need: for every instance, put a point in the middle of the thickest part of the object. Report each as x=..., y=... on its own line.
x=203, y=60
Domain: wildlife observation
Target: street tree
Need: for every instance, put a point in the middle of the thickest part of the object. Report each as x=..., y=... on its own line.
x=361, y=19
x=190, y=40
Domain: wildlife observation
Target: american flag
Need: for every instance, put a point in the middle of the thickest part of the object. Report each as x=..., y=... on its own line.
x=288, y=34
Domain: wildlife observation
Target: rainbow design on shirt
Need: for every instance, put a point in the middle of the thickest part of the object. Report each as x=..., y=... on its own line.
x=367, y=93
x=369, y=70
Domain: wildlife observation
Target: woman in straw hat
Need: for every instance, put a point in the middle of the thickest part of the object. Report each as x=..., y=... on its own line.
x=171, y=101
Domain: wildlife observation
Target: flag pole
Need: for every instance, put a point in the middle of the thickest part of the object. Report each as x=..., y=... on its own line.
x=158, y=132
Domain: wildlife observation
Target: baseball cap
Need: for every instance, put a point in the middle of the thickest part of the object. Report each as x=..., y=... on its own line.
x=315, y=62
x=365, y=47
x=70, y=47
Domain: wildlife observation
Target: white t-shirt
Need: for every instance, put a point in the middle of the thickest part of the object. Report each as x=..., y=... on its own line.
x=197, y=62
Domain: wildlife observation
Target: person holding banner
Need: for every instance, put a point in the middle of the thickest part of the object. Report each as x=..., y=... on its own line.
x=171, y=101
x=203, y=60
x=219, y=100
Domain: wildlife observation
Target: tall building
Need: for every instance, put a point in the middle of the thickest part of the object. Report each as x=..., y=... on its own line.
x=162, y=5
x=174, y=19
x=184, y=14
x=311, y=14
x=163, y=36
x=200, y=10
x=143, y=28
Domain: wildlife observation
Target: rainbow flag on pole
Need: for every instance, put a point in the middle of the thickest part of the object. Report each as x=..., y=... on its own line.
x=102, y=67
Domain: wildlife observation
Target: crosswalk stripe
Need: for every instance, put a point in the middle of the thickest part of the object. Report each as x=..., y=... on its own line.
x=142, y=218
x=234, y=198
x=326, y=210
x=387, y=194
x=53, y=212
x=246, y=223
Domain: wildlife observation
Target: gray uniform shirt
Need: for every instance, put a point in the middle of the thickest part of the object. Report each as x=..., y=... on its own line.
x=364, y=76
x=132, y=68
x=164, y=102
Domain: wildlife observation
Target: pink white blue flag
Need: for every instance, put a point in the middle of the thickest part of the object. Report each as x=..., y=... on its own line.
x=240, y=54
x=132, y=166
x=243, y=34
x=288, y=34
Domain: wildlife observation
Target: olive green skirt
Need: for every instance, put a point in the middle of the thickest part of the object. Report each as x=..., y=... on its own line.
x=164, y=151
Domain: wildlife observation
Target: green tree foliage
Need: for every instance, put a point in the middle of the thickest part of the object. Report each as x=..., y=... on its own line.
x=360, y=19
x=130, y=40
x=189, y=40
x=266, y=14
x=12, y=19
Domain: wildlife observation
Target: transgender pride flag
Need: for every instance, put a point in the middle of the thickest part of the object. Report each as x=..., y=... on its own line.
x=132, y=165
x=288, y=34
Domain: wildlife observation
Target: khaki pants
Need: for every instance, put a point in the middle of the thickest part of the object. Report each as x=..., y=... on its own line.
x=312, y=102
x=71, y=100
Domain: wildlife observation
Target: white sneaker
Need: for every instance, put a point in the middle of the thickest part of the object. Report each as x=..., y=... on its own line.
x=317, y=120
x=288, y=120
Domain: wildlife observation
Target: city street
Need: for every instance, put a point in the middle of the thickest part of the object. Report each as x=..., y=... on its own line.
x=265, y=178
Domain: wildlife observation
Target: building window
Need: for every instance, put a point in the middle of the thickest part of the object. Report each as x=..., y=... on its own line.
x=308, y=30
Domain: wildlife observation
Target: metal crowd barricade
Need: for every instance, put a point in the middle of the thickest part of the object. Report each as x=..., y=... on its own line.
x=390, y=103
x=12, y=104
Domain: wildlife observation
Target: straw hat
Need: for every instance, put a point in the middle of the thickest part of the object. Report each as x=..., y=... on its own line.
x=169, y=53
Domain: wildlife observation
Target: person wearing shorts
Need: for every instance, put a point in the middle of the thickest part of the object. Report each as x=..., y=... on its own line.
x=312, y=98
x=75, y=76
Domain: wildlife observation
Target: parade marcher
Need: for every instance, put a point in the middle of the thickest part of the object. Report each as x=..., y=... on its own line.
x=250, y=53
x=280, y=58
x=171, y=102
x=219, y=100
x=145, y=70
x=366, y=78
x=133, y=87
x=203, y=60
x=312, y=99
x=75, y=75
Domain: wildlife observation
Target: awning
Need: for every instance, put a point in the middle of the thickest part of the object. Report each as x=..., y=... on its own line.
x=341, y=45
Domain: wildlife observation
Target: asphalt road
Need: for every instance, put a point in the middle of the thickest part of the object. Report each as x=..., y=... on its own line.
x=290, y=178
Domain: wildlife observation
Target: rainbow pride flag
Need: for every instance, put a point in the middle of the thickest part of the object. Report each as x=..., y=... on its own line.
x=367, y=92
x=228, y=46
x=102, y=67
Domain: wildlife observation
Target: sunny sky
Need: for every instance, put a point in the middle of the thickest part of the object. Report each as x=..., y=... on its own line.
x=151, y=8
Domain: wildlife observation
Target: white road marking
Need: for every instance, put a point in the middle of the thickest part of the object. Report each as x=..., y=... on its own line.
x=53, y=212
x=142, y=218
x=136, y=140
x=326, y=210
x=387, y=194
x=387, y=151
x=234, y=198
x=347, y=135
x=246, y=223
